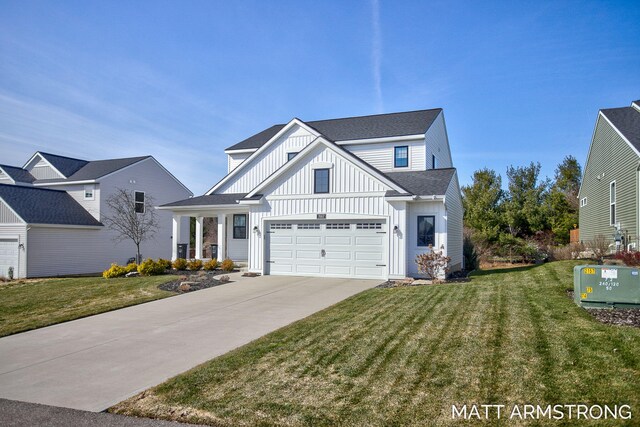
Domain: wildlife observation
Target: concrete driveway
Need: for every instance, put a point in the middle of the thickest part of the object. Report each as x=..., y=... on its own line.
x=95, y=362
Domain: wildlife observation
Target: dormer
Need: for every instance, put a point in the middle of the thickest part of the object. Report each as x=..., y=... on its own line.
x=43, y=166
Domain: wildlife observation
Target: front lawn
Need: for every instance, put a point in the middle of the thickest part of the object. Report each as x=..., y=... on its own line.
x=403, y=356
x=26, y=305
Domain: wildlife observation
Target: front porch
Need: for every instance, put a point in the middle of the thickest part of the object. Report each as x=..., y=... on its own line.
x=232, y=229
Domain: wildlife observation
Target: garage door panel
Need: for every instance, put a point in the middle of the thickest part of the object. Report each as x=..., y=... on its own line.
x=338, y=240
x=281, y=254
x=302, y=254
x=308, y=240
x=369, y=240
x=368, y=256
x=337, y=270
x=281, y=240
x=369, y=271
x=281, y=268
x=306, y=268
x=338, y=255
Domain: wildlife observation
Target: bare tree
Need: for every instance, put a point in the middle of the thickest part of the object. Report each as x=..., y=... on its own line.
x=131, y=219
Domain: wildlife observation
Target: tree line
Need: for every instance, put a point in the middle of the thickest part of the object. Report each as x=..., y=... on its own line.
x=528, y=216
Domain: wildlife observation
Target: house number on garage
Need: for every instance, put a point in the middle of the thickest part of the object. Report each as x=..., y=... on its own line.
x=321, y=216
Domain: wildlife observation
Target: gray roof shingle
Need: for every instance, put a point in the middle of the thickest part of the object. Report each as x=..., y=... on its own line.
x=627, y=121
x=208, y=200
x=65, y=165
x=44, y=206
x=18, y=174
x=353, y=128
x=423, y=183
x=97, y=168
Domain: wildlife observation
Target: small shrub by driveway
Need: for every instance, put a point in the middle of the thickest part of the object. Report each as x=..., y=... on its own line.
x=31, y=304
x=403, y=356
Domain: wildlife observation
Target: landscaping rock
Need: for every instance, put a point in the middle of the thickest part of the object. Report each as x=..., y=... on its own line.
x=186, y=286
x=250, y=274
x=224, y=279
x=132, y=274
x=182, y=286
x=422, y=282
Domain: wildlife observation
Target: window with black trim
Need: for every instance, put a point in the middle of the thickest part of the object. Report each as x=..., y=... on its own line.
x=239, y=226
x=612, y=201
x=320, y=181
x=401, y=157
x=88, y=192
x=139, y=201
x=291, y=155
x=426, y=230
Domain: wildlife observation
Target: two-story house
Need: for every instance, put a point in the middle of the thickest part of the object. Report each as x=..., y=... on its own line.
x=351, y=197
x=610, y=191
x=51, y=212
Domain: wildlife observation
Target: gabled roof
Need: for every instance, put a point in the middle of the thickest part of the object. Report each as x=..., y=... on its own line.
x=18, y=174
x=627, y=121
x=354, y=128
x=423, y=183
x=97, y=168
x=208, y=200
x=44, y=206
x=65, y=165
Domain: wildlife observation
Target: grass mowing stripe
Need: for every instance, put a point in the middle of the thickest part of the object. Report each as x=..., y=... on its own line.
x=414, y=324
x=493, y=364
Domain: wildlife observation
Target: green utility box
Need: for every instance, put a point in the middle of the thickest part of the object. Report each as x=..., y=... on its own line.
x=606, y=286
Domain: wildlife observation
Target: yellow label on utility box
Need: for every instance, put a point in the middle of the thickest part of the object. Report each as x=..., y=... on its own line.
x=589, y=270
x=589, y=289
x=583, y=296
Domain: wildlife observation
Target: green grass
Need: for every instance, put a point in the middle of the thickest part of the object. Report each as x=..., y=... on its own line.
x=26, y=305
x=403, y=356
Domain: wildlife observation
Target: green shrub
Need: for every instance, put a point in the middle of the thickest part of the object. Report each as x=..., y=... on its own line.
x=194, y=264
x=211, y=265
x=471, y=261
x=165, y=262
x=180, y=264
x=114, y=271
x=227, y=265
x=149, y=267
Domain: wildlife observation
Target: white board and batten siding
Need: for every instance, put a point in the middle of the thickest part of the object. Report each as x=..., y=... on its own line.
x=355, y=195
x=428, y=208
x=437, y=143
x=267, y=162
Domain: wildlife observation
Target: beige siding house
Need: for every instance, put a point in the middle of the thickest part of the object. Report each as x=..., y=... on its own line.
x=51, y=212
x=609, y=195
x=355, y=197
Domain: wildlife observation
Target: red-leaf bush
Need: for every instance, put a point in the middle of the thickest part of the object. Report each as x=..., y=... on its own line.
x=630, y=258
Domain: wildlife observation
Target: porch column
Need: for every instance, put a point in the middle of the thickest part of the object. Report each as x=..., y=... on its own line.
x=199, y=229
x=222, y=229
x=175, y=237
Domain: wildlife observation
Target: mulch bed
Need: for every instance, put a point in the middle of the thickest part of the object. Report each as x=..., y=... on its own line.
x=614, y=316
x=456, y=277
x=200, y=281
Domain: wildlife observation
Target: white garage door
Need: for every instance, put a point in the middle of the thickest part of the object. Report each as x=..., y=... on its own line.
x=327, y=248
x=8, y=257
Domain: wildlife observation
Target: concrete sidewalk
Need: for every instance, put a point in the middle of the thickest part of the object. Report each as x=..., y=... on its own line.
x=95, y=362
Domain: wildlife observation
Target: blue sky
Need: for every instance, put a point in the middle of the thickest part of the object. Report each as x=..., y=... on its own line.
x=182, y=80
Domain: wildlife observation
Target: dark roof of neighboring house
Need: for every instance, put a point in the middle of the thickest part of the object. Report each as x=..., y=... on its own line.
x=423, y=183
x=44, y=206
x=353, y=128
x=627, y=121
x=97, y=168
x=18, y=174
x=65, y=165
x=211, y=199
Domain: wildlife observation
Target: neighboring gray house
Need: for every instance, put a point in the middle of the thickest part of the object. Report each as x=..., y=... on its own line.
x=609, y=195
x=351, y=197
x=51, y=211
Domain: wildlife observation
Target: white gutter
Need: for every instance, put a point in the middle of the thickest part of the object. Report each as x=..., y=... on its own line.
x=49, y=184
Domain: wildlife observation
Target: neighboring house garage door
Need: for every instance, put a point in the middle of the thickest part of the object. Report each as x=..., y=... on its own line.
x=327, y=248
x=8, y=257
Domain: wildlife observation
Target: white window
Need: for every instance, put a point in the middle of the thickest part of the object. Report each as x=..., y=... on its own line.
x=88, y=192
x=612, y=202
x=369, y=226
x=583, y=202
x=139, y=201
x=278, y=226
x=314, y=226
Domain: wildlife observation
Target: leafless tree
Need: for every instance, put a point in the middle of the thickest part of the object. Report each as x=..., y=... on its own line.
x=131, y=222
